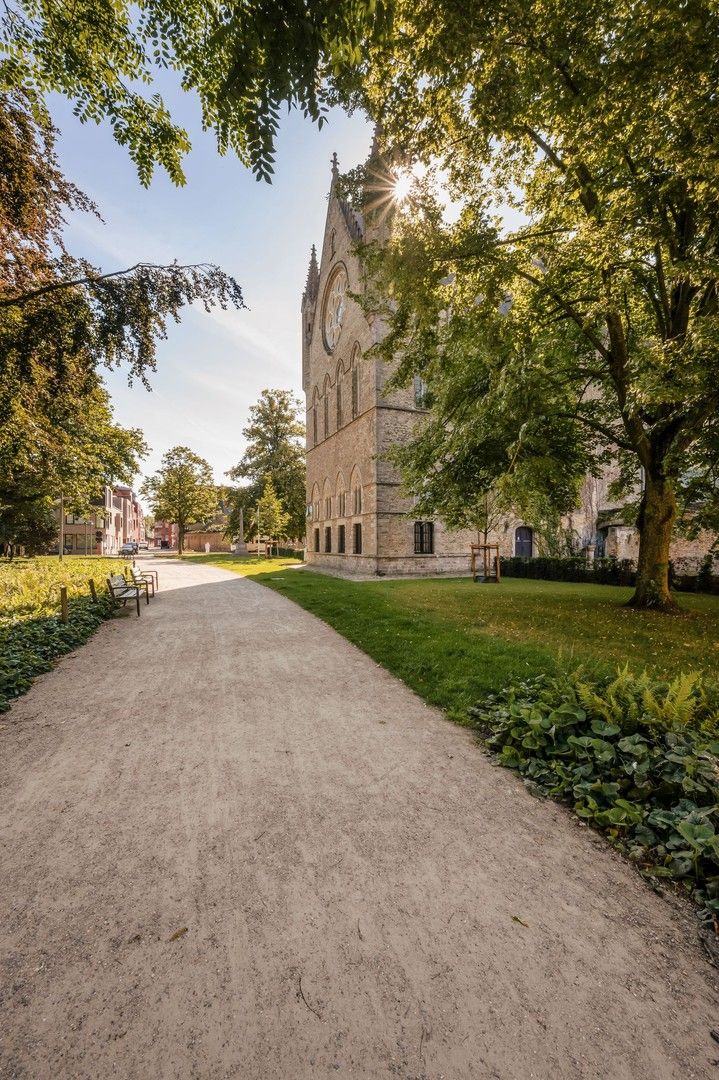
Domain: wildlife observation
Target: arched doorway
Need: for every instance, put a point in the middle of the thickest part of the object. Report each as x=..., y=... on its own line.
x=523, y=540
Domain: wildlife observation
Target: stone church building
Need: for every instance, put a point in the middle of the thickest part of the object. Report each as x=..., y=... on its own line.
x=359, y=522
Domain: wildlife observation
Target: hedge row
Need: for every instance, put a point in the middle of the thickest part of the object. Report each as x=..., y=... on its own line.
x=609, y=571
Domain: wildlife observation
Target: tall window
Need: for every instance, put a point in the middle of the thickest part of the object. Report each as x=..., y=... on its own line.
x=326, y=406
x=523, y=538
x=314, y=424
x=424, y=538
x=357, y=538
x=339, y=402
x=342, y=504
x=357, y=500
x=341, y=539
x=420, y=392
x=328, y=538
x=317, y=540
x=355, y=390
x=328, y=506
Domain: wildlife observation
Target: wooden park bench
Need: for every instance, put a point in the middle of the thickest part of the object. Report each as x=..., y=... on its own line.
x=143, y=581
x=121, y=589
x=147, y=575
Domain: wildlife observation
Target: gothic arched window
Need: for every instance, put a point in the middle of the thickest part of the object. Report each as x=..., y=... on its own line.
x=334, y=307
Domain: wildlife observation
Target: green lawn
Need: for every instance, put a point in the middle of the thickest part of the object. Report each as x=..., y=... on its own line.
x=247, y=565
x=453, y=641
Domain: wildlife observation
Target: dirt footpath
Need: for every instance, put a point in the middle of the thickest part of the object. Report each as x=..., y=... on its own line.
x=232, y=846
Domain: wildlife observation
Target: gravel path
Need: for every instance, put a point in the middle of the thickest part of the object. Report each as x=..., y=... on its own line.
x=232, y=846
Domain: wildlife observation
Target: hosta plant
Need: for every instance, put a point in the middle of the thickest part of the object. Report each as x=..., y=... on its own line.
x=636, y=758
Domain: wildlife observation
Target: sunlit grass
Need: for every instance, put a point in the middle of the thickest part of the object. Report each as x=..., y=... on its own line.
x=247, y=565
x=453, y=641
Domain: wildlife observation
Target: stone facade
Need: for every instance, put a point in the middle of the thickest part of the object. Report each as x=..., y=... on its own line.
x=359, y=522
x=354, y=497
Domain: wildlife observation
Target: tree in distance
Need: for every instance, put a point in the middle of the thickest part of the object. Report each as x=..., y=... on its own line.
x=275, y=450
x=182, y=491
x=270, y=514
x=566, y=317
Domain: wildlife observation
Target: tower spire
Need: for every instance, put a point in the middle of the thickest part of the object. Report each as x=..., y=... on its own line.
x=334, y=161
x=313, y=277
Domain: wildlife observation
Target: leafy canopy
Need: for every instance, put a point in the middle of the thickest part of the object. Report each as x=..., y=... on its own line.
x=590, y=330
x=243, y=60
x=182, y=491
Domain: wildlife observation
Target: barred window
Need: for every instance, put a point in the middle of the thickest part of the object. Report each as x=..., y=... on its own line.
x=328, y=538
x=342, y=509
x=317, y=540
x=420, y=392
x=341, y=539
x=357, y=539
x=357, y=500
x=328, y=507
x=424, y=538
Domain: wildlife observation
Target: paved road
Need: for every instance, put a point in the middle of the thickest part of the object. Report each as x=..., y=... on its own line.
x=233, y=847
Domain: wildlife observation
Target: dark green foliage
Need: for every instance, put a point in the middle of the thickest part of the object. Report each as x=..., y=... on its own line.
x=609, y=571
x=635, y=758
x=29, y=647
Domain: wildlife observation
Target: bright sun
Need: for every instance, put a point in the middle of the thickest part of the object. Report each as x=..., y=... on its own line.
x=402, y=186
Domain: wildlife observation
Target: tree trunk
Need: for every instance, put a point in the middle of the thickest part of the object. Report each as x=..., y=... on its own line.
x=657, y=514
x=180, y=538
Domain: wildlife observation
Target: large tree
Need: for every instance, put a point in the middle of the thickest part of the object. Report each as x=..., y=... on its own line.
x=589, y=331
x=275, y=451
x=182, y=491
x=242, y=60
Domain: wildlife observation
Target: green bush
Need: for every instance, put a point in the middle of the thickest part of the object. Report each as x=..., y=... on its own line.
x=635, y=758
x=28, y=647
x=31, y=633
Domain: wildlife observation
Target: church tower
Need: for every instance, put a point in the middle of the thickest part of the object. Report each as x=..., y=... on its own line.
x=358, y=520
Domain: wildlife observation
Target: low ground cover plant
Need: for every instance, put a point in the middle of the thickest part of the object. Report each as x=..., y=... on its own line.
x=32, y=634
x=636, y=758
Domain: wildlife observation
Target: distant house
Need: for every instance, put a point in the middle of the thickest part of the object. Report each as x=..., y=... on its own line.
x=165, y=534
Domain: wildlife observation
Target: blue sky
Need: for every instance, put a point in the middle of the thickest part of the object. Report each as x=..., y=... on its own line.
x=212, y=367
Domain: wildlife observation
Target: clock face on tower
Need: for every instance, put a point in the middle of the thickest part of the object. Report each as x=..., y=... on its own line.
x=335, y=305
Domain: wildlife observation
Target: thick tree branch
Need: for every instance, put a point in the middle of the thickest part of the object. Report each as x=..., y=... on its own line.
x=92, y=279
x=575, y=316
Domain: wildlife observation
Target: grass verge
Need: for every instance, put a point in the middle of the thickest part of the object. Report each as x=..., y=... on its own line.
x=454, y=642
